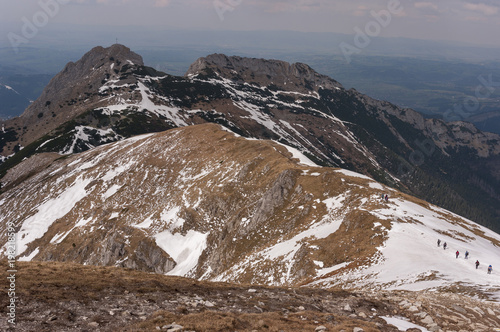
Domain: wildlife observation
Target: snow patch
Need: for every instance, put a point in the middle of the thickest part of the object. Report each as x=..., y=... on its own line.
x=185, y=250
x=402, y=323
x=111, y=191
x=353, y=174
x=296, y=154
x=145, y=224
x=30, y=256
x=47, y=213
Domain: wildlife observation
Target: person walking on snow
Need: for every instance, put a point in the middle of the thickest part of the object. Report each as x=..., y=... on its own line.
x=466, y=255
x=444, y=246
x=477, y=264
x=457, y=253
x=439, y=242
x=490, y=268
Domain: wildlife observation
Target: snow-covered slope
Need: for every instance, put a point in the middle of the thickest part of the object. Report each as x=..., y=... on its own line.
x=202, y=202
x=411, y=259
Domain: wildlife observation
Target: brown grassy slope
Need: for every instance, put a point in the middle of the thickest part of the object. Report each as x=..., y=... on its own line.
x=241, y=179
x=256, y=180
x=72, y=297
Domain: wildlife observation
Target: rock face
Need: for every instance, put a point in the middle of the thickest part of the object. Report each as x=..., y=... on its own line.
x=297, y=77
x=73, y=91
x=85, y=75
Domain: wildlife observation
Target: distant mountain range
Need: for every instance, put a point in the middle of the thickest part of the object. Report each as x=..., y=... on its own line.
x=109, y=95
x=428, y=76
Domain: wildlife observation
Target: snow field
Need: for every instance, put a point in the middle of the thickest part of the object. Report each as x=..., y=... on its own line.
x=411, y=260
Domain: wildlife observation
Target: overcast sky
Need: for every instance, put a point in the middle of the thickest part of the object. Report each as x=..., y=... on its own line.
x=472, y=21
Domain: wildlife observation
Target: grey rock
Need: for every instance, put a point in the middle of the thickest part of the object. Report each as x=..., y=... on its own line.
x=285, y=75
x=428, y=320
x=458, y=308
x=173, y=327
x=413, y=308
x=272, y=198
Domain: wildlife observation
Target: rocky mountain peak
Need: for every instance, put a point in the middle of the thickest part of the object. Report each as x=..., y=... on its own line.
x=286, y=76
x=73, y=90
x=89, y=71
x=99, y=56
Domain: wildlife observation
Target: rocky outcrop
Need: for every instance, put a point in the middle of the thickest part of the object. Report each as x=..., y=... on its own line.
x=73, y=91
x=289, y=77
x=448, y=137
x=85, y=75
x=272, y=199
x=148, y=257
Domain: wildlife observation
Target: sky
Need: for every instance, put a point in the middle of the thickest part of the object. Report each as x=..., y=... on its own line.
x=468, y=21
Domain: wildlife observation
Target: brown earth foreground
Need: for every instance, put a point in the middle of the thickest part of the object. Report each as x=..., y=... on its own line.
x=71, y=297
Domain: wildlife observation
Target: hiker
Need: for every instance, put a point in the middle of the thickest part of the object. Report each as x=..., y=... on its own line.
x=386, y=198
x=383, y=196
x=490, y=268
x=439, y=242
x=457, y=253
x=477, y=264
x=466, y=255
x=444, y=246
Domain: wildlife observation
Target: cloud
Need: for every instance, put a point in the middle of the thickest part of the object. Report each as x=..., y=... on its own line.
x=481, y=8
x=162, y=3
x=276, y=6
x=426, y=5
x=428, y=11
x=361, y=11
x=155, y=3
x=475, y=19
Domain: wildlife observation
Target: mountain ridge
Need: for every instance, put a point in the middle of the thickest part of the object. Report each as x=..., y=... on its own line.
x=439, y=162
x=299, y=76
x=227, y=208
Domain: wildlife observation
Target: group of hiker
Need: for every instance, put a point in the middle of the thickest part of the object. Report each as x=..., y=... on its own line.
x=490, y=268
